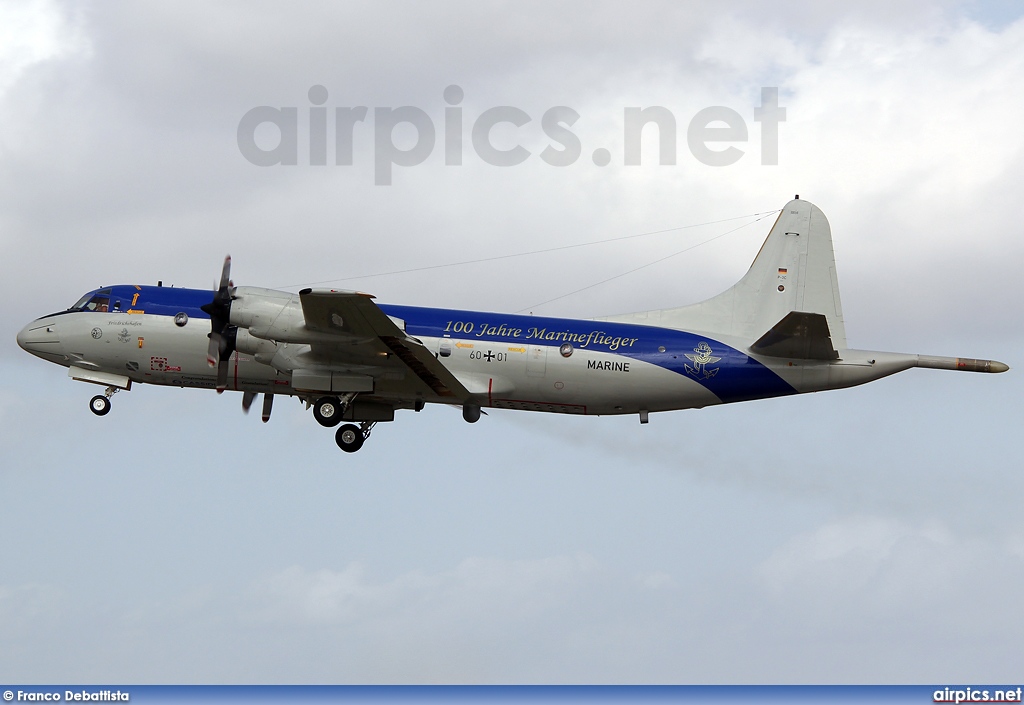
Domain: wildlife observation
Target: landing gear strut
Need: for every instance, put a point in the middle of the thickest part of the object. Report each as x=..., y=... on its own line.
x=350, y=437
x=100, y=404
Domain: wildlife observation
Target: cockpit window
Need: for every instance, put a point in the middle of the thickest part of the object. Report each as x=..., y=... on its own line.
x=99, y=304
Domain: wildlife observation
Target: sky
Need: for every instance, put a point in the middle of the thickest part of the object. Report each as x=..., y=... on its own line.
x=868, y=535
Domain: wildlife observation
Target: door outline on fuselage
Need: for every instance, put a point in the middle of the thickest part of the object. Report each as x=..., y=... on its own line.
x=536, y=360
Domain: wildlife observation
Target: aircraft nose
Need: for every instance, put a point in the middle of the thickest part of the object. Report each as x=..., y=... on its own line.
x=40, y=338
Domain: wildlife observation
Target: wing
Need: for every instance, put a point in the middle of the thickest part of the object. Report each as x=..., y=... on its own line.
x=357, y=339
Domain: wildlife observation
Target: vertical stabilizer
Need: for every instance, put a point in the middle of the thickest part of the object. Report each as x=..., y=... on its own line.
x=795, y=270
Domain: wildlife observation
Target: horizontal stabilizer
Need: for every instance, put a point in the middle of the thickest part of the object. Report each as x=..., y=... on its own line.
x=804, y=336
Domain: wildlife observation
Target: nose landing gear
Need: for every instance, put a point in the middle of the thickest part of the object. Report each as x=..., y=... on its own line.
x=100, y=404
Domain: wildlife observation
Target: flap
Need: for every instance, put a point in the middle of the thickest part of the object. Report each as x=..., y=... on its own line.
x=803, y=336
x=327, y=381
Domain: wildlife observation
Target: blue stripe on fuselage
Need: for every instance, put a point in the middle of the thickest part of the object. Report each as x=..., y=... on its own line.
x=738, y=377
x=735, y=376
x=157, y=300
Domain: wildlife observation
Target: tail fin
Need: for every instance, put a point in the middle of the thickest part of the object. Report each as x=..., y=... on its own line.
x=795, y=270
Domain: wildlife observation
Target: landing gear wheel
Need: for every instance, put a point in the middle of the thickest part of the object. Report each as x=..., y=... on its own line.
x=349, y=438
x=99, y=405
x=328, y=411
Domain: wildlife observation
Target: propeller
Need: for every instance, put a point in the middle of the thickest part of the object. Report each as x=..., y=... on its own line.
x=222, y=333
x=268, y=404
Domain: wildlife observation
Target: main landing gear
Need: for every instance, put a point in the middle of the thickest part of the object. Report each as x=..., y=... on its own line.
x=100, y=404
x=350, y=437
x=329, y=411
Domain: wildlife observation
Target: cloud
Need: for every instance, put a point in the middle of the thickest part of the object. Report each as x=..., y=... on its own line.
x=475, y=588
x=884, y=122
x=35, y=32
x=890, y=571
x=28, y=610
x=835, y=536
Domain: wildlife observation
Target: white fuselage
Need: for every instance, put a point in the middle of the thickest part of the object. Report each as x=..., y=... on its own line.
x=504, y=361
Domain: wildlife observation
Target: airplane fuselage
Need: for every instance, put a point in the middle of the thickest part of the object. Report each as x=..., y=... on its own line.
x=504, y=360
x=778, y=331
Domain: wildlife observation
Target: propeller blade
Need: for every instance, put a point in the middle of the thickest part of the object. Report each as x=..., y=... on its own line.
x=222, y=333
x=268, y=405
x=247, y=399
x=213, y=352
x=222, y=375
x=225, y=273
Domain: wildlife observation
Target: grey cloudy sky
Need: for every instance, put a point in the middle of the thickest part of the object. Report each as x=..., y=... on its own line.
x=872, y=534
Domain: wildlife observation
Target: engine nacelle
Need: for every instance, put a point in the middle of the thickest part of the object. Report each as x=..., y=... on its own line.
x=269, y=314
x=261, y=349
x=274, y=316
x=252, y=305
